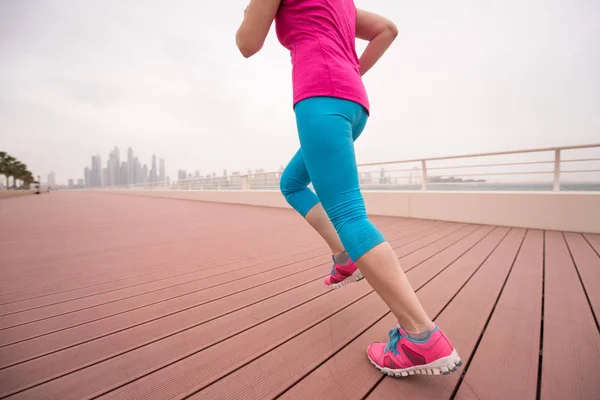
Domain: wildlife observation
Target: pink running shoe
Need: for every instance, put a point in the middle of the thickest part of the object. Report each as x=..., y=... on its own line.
x=342, y=274
x=404, y=356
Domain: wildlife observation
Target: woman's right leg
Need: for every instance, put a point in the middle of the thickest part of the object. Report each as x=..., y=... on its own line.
x=326, y=127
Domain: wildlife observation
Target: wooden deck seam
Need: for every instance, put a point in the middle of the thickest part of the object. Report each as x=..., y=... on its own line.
x=467, y=363
x=166, y=287
x=585, y=237
x=477, y=269
x=229, y=260
x=440, y=239
x=168, y=314
x=459, y=257
x=309, y=326
x=541, y=357
x=98, y=361
x=215, y=255
x=581, y=280
x=162, y=288
x=224, y=283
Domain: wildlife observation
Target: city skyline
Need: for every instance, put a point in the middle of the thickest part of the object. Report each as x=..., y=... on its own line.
x=115, y=172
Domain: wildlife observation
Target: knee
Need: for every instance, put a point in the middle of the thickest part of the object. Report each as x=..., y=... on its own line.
x=284, y=184
x=346, y=209
x=287, y=184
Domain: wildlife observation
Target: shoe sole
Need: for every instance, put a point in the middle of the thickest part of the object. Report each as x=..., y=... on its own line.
x=442, y=366
x=355, y=277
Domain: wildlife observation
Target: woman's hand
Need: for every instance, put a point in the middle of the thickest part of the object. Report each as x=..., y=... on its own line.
x=379, y=31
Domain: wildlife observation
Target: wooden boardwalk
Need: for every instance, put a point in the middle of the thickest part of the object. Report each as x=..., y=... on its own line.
x=123, y=297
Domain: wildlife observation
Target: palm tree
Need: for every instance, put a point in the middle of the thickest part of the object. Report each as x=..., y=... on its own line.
x=7, y=163
x=17, y=170
x=11, y=167
x=27, y=180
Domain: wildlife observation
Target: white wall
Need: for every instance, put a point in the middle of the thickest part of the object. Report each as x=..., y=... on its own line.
x=573, y=211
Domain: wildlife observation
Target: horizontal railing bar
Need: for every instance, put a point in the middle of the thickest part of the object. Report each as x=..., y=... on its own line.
x=487, y=165
x=497, y=153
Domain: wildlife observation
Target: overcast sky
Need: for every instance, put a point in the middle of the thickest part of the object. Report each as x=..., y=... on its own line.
x=78, y=77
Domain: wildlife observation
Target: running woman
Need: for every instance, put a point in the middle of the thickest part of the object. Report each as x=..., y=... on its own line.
x=331, y=108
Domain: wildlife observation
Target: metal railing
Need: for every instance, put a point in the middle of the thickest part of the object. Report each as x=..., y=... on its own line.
x=505, y=170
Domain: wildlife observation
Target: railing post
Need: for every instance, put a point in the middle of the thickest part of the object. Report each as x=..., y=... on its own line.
x=424, y=175
x=245, y=182
x=556, y=185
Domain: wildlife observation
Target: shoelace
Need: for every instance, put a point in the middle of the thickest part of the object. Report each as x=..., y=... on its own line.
x=395, y=336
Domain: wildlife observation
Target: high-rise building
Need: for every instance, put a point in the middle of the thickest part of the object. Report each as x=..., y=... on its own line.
x=71, y=184
x=124, y=174
x=51, y=179
x=153, y=171
x=87, y=176
x=145, y=174
x=130, y=167
x=113, y=164
x=80, y=182
x=97, y=175
x=161, y=170
x=105, y=177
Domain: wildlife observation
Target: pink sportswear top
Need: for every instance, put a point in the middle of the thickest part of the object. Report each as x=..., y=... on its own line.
x=320, y=35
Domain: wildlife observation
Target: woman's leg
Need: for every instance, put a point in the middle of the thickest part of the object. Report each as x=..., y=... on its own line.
x=294, y=186
x=326, y=127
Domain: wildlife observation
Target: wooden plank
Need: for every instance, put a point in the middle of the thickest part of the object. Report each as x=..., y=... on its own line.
x=176, y=232
x=594, y=241
x=349, y=374
x=587, y=263
x=274, y=370
x=211, y=322
x=168, y=271
x=144, y=262
x=505, y=365
x=571, y=345
x=441, y=244
x=251, y=336
x=84, y=302
x=164, y=289
x=463, y=321
x=129, y=268
x=122, y=303
x=56, y=364
x=147, y=310
x=182, y=297
x=245, y=253
x=73, y=358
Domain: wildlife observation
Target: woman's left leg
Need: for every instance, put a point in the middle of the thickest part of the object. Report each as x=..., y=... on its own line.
x=294, y=185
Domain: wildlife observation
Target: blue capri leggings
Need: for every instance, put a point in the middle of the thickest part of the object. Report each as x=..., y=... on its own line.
x=327, y=128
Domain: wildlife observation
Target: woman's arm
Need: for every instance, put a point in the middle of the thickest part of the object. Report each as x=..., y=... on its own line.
x=379, y=31
x=258, y=17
